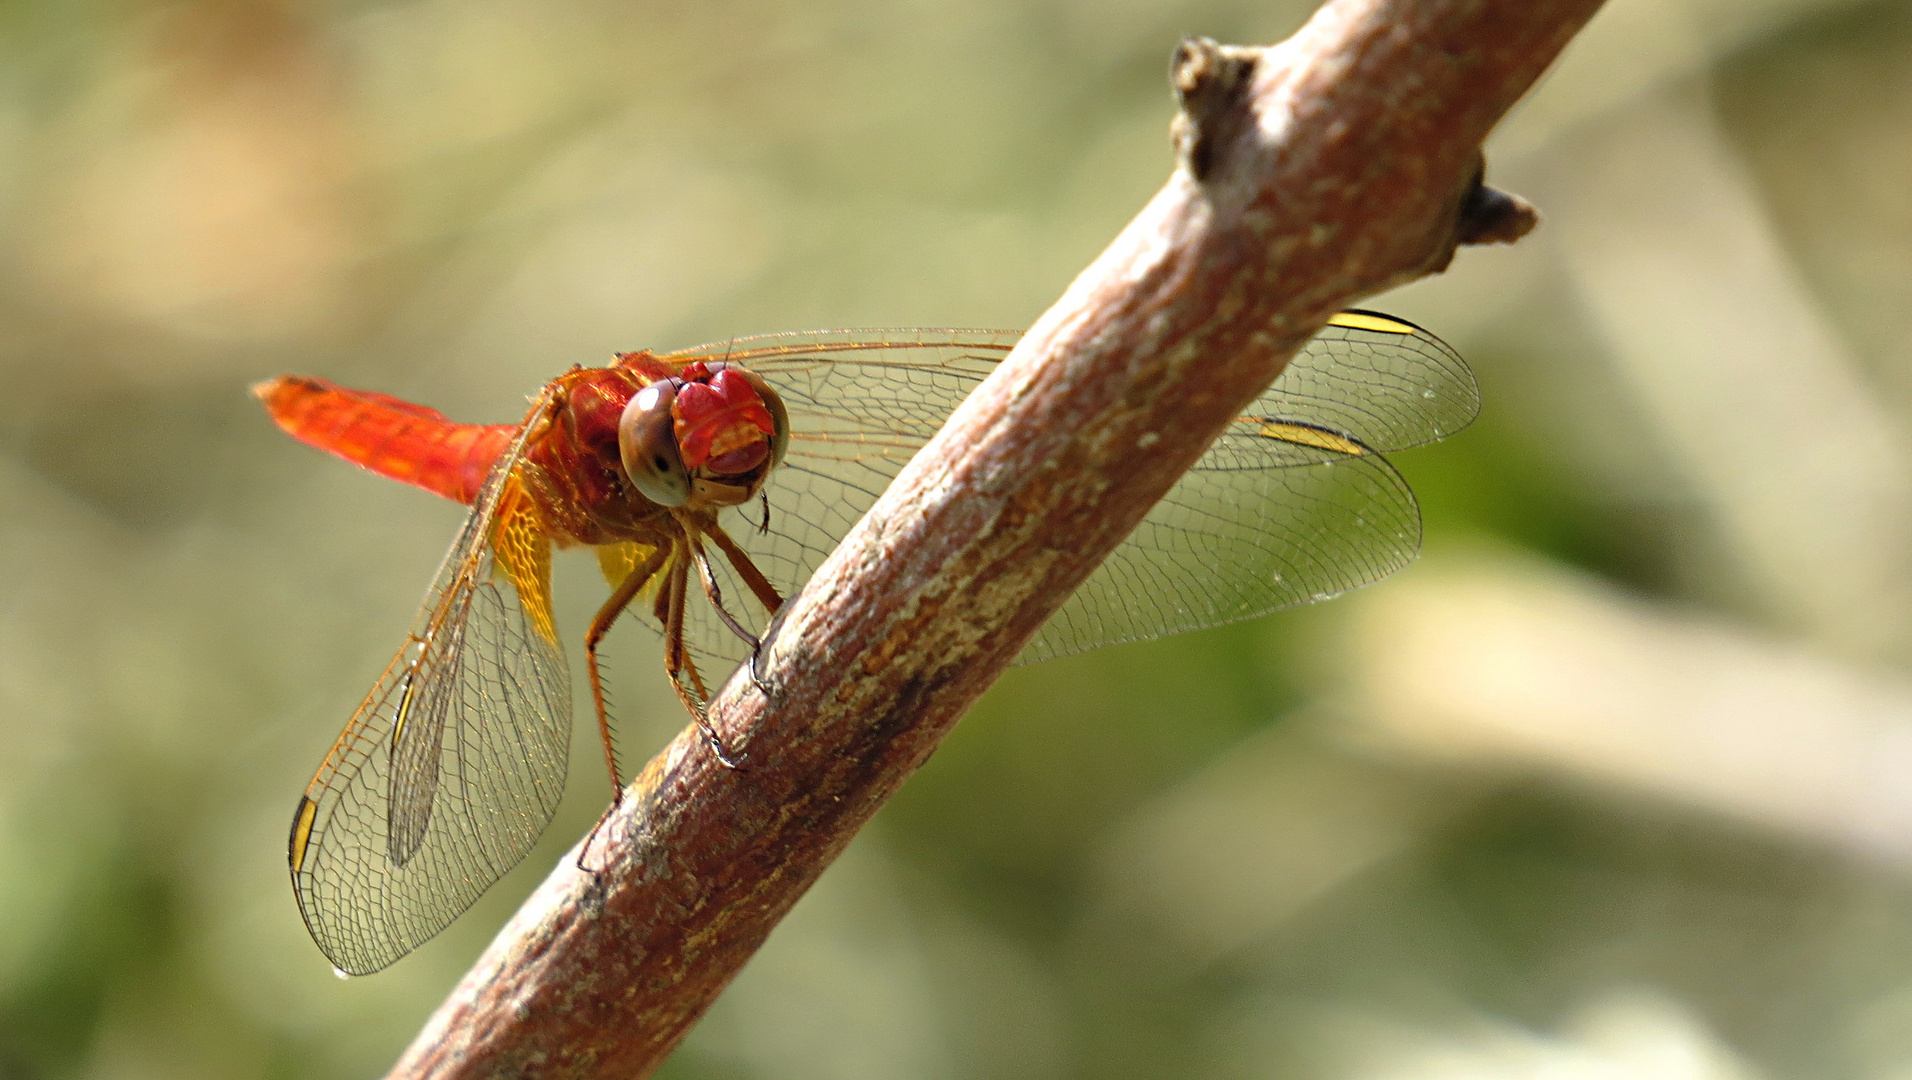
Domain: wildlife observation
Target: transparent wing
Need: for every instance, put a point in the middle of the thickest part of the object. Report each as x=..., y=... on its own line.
x=1252, y=529
x=1384, y=381
x=454, y=764
x=1292, y=504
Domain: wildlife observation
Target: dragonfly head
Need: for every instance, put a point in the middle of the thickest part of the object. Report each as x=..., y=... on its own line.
x=711, y=431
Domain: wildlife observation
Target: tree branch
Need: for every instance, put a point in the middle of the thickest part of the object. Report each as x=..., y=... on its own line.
x=1331, y=166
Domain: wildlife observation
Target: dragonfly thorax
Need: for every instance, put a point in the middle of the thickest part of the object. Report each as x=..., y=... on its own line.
x=628, y=446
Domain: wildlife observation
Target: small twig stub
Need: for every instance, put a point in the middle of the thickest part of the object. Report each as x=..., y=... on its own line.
x=1211, y=81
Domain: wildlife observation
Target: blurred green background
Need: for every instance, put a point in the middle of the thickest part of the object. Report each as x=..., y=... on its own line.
x=1615, y=782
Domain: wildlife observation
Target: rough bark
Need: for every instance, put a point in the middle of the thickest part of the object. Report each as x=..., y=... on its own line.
x=1312, y=173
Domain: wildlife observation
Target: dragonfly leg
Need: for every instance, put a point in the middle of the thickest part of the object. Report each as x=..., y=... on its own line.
x=765, y=593
x=765, y=686
x=678, y=664
x=584, y=849
x=739, y=560
x=600, y=626
x=716, y=597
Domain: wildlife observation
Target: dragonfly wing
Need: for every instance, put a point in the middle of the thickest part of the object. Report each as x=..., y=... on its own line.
x=455, y=762
x=1292, y=504
x=1251, y=529
x=1384, y=381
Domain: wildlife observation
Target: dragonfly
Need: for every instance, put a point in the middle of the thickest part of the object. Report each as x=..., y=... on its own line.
x=731, y=470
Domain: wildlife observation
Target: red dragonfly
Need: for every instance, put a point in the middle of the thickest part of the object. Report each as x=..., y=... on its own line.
x=731, y=470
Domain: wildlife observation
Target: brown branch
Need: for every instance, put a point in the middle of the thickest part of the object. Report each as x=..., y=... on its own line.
x=1314, y=172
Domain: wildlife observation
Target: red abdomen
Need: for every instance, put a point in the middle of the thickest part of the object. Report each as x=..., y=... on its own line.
x=388, y=436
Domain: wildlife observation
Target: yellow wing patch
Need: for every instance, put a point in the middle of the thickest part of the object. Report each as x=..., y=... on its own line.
x=302, y=831
x=523, y=550
x=617, y=561
x=1367, y=320
x=1309, y=435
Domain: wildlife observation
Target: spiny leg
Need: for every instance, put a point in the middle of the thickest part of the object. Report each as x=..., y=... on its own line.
x=661, y=604
x=677, y=661
x=621, y=597
x=739, y=559
x=716, y=597
x=607, y=615
x=766, y=595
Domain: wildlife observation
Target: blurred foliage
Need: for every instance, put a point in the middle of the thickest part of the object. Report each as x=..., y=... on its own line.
x=1316, y=845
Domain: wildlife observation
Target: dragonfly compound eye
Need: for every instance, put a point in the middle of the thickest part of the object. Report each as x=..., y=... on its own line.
x=779, y=418
x=648, y=446
x=728, y=424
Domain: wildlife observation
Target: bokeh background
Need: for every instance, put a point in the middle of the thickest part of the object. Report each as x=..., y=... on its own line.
x=1615, y=782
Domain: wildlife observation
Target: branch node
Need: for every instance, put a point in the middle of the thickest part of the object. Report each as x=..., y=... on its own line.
x=1211, y=82
x=1492, y=216
x=1486, y=215
x=1482, y=215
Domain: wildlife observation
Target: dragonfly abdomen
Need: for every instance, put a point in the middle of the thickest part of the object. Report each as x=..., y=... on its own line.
x=386, y=435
